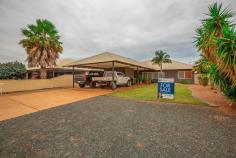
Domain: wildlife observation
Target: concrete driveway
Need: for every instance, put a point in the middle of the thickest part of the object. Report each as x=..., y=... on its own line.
x=17, y=104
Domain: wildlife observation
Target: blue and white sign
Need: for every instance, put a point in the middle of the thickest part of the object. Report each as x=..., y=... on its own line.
x=166, y=88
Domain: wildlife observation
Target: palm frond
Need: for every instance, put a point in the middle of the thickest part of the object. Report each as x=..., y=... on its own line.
x=41, y=43
x=161, y=57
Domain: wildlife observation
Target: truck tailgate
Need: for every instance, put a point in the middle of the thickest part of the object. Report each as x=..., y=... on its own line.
x=103, y=79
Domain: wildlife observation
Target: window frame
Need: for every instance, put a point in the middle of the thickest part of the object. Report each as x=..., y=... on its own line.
x=159, y=74
x=184, y=78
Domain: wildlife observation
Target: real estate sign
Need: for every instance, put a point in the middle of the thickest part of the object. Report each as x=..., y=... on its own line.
x=166, y=88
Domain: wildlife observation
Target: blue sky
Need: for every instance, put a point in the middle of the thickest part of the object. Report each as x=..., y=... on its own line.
x=132, y=28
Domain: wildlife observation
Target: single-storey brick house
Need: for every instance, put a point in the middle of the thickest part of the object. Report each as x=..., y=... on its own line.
x=181, y=72
x=110, y=61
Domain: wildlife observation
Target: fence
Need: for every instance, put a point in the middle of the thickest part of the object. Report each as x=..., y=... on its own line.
x=25, y=85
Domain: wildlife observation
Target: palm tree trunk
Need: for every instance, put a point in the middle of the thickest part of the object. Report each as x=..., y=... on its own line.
x=161, y=70
x=43, y=73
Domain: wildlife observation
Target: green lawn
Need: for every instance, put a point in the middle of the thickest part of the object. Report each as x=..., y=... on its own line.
x=149, y=93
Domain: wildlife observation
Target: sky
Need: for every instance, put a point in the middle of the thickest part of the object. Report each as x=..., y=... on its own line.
x=131, y=28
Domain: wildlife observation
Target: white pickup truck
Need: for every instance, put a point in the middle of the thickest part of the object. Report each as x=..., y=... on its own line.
x=120, y=79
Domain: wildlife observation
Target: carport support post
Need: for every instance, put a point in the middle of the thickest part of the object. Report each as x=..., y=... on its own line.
x=53, y=73
x=73, y=71
x=138, y=75
x=113, y=75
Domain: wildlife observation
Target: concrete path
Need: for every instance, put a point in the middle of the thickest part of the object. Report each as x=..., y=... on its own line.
x=17, y=104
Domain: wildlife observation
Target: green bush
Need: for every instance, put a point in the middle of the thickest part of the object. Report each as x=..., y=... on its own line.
x=12, y=70
x=225, y=84
x=142, y=78
x=203, y=80
x=183, y=81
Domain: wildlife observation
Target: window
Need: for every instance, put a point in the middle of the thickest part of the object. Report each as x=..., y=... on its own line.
x=161, y=74
x=188, y=74
x=184, y=74
x=95, y=74
x=149, y=75
x=181, y=75
x=120, y=74
x=155, y=75
x=144, y=74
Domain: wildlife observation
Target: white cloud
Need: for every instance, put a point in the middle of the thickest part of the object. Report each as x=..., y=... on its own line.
x=134, y=28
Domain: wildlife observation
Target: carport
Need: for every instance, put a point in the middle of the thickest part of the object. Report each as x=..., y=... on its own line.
x=110, y=61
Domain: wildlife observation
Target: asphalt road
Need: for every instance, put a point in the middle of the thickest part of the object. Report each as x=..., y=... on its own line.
x=111, y=127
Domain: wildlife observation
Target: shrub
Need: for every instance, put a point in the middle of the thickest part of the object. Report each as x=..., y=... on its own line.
x=12, y=70
x=203, y=80
x=183, y=81
x=142, y=78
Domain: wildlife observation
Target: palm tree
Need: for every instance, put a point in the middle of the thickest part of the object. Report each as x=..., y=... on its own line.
x=42, y=45
x=212, y=28
x=202, y=66
x=216, y=40
x=160, y=58
x=204, y=43
x=226, y=51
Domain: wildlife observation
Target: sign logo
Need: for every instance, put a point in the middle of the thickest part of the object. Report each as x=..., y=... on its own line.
x=166, y=87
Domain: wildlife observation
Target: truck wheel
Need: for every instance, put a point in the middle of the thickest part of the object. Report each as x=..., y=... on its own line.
x=128, y=83
x=81, y=85
x=92, y=85
x=102, y=86
x=113, y=85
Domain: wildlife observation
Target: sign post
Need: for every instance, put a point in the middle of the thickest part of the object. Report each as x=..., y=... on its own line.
x=166, y=88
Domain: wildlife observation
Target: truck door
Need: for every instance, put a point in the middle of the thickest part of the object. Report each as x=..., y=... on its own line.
x=121, y=78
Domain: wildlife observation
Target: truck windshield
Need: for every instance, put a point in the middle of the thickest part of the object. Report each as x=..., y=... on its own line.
x=120, y=74
x=95, y=73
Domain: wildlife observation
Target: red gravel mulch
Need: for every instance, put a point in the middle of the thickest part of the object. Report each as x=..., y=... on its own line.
x=213, y=97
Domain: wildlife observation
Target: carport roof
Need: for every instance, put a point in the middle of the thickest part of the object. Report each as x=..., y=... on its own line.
x=104, y=60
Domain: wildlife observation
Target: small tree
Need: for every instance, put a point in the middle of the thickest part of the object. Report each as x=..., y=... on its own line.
x=42, y=45
x=12, y=70
x=160, y=58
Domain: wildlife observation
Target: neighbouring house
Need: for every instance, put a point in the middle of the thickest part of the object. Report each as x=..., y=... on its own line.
x=181, y=72
x=58, y=70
